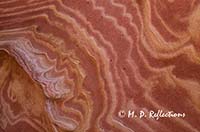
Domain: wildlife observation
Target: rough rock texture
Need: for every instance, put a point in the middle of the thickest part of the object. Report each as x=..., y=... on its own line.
x=72, y=65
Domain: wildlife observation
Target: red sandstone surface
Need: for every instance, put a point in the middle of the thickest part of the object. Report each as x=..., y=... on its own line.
x=74, y=65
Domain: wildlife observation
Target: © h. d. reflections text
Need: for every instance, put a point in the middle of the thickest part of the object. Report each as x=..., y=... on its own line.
x=150, y=114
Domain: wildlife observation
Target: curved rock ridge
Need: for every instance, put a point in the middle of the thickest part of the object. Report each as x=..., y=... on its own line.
x=88, y=65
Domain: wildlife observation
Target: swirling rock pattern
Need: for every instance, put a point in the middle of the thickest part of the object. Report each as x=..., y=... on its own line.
x=71, y=65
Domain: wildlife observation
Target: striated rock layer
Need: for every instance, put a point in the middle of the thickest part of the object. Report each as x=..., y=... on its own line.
x=73, y=65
